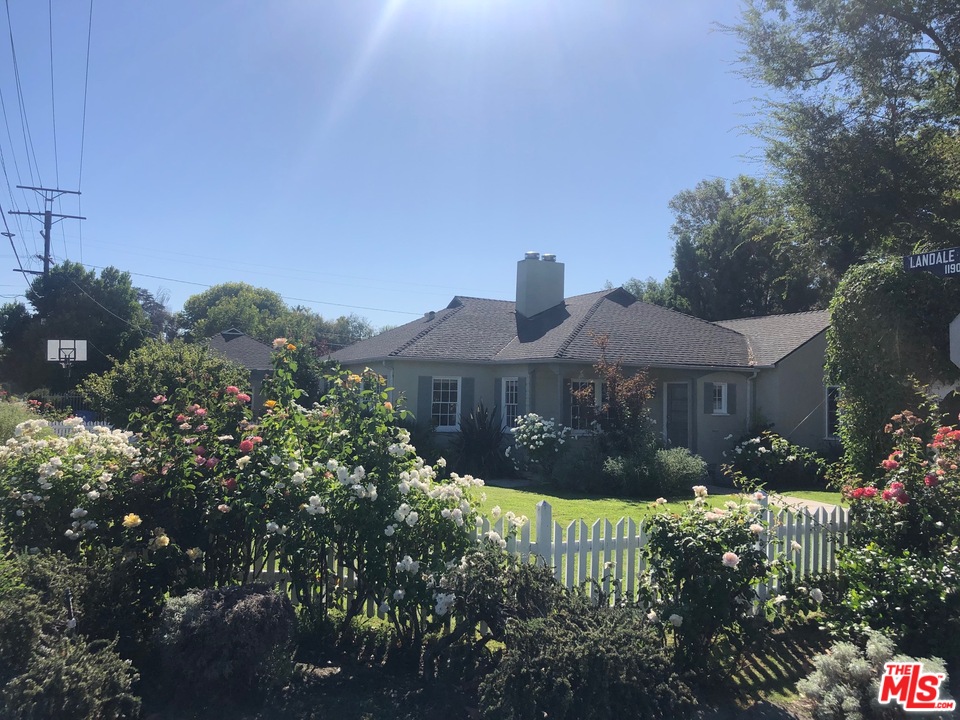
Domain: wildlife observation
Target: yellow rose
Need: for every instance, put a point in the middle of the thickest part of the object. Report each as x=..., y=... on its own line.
x=131, y=520
x=161, y=541
x=388, y=405
x=291, y=347
x=270, y=404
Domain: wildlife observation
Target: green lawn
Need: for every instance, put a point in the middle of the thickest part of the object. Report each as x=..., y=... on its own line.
x=568, y=507
x=825, y=496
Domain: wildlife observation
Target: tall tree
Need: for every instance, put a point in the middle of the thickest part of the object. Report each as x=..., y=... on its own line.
x=734, y=255
x=70, y=303
x=862, y=121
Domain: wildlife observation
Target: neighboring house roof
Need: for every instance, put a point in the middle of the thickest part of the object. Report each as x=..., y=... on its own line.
x=774, y=337
x=242, y=349
x=479, y=330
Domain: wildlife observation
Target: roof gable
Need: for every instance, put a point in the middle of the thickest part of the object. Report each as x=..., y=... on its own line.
x=242, y=349
x=774, y=337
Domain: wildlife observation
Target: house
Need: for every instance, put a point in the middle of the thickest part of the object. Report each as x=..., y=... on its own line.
x=255, y=356
x=714, y=381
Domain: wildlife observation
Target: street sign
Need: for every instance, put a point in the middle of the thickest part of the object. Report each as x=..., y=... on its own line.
x=939, y=262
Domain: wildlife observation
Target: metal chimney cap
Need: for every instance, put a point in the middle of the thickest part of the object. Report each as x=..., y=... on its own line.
x=549, y=257
x=531, y=255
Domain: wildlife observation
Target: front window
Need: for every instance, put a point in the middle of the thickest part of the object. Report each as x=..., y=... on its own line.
x=719, y=398
x=445, y=405
x=833, y=411
x=510, y=401
x=582, y=404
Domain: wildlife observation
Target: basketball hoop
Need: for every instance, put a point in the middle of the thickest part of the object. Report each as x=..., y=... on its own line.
x=66, y=352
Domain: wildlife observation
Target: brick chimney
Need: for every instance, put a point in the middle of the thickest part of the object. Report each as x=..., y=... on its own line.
x=539, y=283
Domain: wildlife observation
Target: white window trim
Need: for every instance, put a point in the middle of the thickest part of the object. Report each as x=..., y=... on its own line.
x=447, y=428
x=503, y=401
x=826, y=411
x=724, y=395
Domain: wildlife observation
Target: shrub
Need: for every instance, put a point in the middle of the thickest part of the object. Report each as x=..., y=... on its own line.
x=477, y=444
x=775, y=463
x=159, y=368
x=12, y=413
x=69, y=678
x=845, y=682
x=538, y=443
x=217, y=643
x=584, y=662
x=675, y=470
x=705, y=566
x=903, y=543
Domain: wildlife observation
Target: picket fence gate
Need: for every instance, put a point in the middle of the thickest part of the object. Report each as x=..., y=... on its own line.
x=610, y=556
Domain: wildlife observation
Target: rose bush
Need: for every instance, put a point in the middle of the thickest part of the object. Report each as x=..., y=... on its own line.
x=705, y=568
x=204, y=492
x=538, y=442
x=900, y=571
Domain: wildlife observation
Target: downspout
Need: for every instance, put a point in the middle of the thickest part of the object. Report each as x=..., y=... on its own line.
x=751, y=398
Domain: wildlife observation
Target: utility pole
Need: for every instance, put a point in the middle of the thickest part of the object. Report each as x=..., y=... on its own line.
x=49, y=195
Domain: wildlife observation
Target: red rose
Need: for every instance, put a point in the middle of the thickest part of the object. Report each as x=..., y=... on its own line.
x=230, y=484
x=930, y=480
x=246, y=445
x=869, y=492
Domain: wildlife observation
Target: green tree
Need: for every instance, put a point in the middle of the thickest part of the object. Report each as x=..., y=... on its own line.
x=735, y=255
x=888, y=338
x=160, y=368
x=862, y=123
x=258, y=312
x=70, y=303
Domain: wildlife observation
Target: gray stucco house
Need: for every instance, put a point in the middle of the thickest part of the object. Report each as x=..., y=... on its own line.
x=713, y=380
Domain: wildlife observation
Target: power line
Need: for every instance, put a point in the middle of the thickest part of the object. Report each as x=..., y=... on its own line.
x=24, y=122
x=285, y=297
x=83, y=122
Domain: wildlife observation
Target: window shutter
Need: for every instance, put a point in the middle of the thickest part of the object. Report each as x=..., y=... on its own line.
x=731, y=398
x=708, y=398
x=467, y=405
x=498, y=400
x=424, y=400
x=566, y=402
x=521, y=396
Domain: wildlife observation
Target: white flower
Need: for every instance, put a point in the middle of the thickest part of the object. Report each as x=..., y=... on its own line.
x=817, y=595
x=272, y=527
x=243, y=461
x=411, y=518
x=384, y=607
x=700, y=491
x=93, y=494
x=399, y=594
x=441, y=462
x=795, y=546
x=756, y=528
x=779, y=599
x=389, y=530
x=653, y=617
x=78, y=513
x=402, y=511
x=661, y=501
x=274, y=459
x=675, y=620
x=495, y=512
x=731, y=559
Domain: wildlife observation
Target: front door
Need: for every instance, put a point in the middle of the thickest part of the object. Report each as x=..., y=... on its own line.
x=677, y=411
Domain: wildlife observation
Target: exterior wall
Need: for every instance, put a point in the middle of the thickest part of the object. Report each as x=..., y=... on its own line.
x=405, y=377
x=794, y=396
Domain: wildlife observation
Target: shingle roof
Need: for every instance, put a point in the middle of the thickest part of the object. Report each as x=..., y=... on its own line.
x=774, y=337
x=640, y=334
x=242, y=349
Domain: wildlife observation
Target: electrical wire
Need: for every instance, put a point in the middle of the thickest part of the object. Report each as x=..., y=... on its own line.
x=83, y=123
x=24, y=122
x=285, y=297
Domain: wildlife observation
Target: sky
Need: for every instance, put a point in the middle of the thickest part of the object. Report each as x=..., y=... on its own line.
x=375, y=157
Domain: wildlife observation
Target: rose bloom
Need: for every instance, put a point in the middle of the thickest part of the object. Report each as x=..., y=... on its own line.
x=869, y=492
x=388, y=405
x=223, y=507
x=731, y=559
x=232, y=390
x=270, y=404
x=246, y=445
x=279, y=343
x=243, y=397
x=159, y=399
x=131, y=520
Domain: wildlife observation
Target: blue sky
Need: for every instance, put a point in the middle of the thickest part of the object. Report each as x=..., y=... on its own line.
x=368, y=156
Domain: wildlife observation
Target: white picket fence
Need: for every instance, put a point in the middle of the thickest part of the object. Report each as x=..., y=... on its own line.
x=607, y=552
x=67, y=430
x=612, y=554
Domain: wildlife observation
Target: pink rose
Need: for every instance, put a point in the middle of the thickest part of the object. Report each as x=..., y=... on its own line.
x=232, y=390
